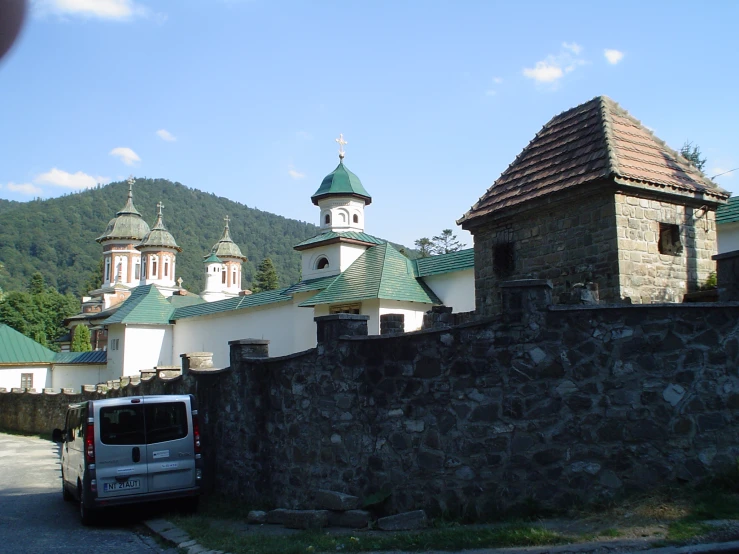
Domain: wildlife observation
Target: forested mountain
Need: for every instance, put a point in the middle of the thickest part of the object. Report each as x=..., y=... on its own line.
x=57, y=236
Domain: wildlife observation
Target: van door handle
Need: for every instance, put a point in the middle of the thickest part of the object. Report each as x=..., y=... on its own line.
x=136, y=454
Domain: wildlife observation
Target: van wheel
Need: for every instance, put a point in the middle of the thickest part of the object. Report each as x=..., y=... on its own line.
x=86, y=514
x=66, y=495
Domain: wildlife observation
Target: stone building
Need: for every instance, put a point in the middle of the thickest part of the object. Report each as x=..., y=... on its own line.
x=595, y=197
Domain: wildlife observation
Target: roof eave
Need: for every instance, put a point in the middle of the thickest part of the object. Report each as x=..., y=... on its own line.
x=333, y=240
x=316, y=197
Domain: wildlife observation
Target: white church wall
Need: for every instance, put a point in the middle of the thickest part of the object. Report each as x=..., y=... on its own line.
x=413, y=312
x=147, y=346
x=10, y=377
x=455, y=289
x=728, y=237
x=304, y=328
x=340, y=256
x=115, y=348
x=74, y=376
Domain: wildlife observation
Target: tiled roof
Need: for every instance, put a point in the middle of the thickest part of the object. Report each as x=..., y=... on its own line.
x=593, y=142
x=380, y=272
x=146, y=305
x=445, y=263
x=341, y=182
x=18, y=348
x=729, y=212
x=181, y=300
x=354, y=236
x=94, y=357
x=230, y=304
x=311, y=284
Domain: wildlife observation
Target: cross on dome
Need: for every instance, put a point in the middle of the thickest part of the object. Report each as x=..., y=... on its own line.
x=226, y=219
x=341, y=142
x=160, y=207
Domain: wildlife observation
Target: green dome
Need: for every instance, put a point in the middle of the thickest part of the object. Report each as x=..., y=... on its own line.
x=226, y=247
x=341, y=182
x=158, y=236
x=213, y=259
x=128, y=223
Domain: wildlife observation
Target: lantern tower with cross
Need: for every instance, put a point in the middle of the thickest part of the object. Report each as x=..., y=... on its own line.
x=223, y=268
x=158, y=256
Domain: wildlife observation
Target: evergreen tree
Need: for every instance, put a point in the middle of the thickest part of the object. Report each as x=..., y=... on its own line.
x=37, y=283
x=446, y=242
x=424, y=246
x=95, y=280
x=693, y=154
x=266, y=277
x=81, y=339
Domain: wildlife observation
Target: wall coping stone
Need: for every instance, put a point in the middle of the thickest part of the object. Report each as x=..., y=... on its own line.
x=525, y=283
x=209, y=371
x=281, y=358
x=249, y=341
x=726, y=255
x=421, y=332
x=596, y=307
x=336, y=317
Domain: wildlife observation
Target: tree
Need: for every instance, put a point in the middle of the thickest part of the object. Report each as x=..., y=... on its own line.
x=424, y=246
x=37, y=283
x=446, y=242
x=692, y=153
x=266, y=277
x=95, y=280
x=81, y=339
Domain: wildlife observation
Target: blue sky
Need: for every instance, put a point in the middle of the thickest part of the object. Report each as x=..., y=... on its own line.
x=245, y=98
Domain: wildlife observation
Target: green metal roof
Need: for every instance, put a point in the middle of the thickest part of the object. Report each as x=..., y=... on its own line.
x=380, y=272
x=230, y=304
x=445, y=263
x=341, y=182
x=15, y=348
x=180, y=300
x=311, y=284
x=212, y=259
x=128, y=223
x=332, y=235
x=158, y=236
x=145, y=306
x=94, y=357
x=226, y=247
x=729, y=212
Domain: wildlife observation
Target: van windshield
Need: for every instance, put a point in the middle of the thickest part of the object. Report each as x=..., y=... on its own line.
x=147, y=424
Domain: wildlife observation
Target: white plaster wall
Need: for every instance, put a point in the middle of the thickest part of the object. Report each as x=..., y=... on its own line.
x=340, y=256
x=212, y=333
x=74, y=376
x=115, y=357
x=372, y=309
x=455, y=289
x=147, y=346
x=728, y=237
x=304, y=328
x=10, y=377
x=413, y=312
x=337, y=206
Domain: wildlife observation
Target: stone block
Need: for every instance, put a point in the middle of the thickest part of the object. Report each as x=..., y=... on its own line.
x=305, y=519
x=256, y=516
x=353, y=519
x=277, y=516
x=406, y=521
x=339, y=501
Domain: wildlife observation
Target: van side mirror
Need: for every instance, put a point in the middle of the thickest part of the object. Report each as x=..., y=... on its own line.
x=57, y=435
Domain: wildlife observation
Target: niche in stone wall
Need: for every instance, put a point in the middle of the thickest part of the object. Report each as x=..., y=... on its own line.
x=669, y=239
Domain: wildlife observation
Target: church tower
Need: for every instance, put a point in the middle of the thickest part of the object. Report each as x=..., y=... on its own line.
x=223, y=268
x=121, y=260
x=158, y=257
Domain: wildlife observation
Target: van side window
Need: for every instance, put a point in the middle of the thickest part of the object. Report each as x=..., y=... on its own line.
x=122, y=425
x=166, y=421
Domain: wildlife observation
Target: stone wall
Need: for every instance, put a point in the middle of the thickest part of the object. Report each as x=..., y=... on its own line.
x=555, y=242
x=549, y=405
x=646, y=274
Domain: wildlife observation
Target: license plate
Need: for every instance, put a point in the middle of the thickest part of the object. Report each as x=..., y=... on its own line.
x=124, y=486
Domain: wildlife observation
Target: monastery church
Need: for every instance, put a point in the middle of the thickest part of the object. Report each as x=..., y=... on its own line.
x=594, y=203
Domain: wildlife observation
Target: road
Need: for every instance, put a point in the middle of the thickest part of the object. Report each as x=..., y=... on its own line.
x=35, y=519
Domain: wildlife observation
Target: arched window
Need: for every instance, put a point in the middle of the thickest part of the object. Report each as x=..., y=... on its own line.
x=322, y=263
x=223, y=278
x=327, y=219
x=355, y=218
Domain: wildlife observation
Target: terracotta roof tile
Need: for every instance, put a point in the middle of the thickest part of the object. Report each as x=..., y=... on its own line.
x=590, y=143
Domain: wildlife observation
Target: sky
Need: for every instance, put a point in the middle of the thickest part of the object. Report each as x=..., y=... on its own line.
x=245, y=98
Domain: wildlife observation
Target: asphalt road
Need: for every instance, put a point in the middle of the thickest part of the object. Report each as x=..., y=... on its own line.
x=35, y=519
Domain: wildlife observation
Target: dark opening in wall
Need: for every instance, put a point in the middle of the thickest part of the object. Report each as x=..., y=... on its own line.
x=669, y=239
x=327, y=219
x=322, y=263
x=504, y=261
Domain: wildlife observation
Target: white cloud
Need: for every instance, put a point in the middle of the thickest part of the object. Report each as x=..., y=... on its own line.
x=24, y=188
x=103, y=9
x=304, y=135
x=166, y=135
x=544, y=72
x=497, y=80
x=573, y=47
x=295, y=174
x=126, y=155
x=60, y=178
x=613, y=56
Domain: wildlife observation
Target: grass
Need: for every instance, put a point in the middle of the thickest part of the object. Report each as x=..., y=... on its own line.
x=453, y=538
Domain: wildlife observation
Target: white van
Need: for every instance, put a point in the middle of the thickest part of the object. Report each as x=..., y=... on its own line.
x=132, y=449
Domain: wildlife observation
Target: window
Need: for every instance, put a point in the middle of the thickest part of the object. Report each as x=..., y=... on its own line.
x=355, y=218
x=322, y=263
x=137, y=271
x=223, y=277
x=147, y=424
x=26, y=380
x=504, y=262
x=153, y=268
x=327, y=219
x=345, y=309
x=122, y=425
x=143, y=262
x=114, y=344
x=107, y=270
x=166, y=267
x=233, y=277
x=669, y=239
